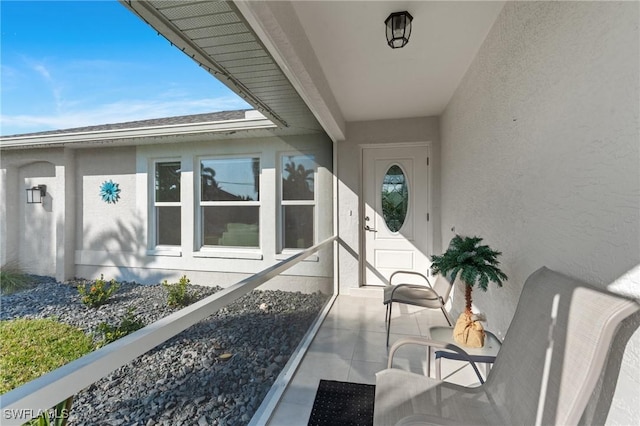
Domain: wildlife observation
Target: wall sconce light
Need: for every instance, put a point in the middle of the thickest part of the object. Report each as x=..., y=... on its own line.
x=36, y=194
x=398, y=29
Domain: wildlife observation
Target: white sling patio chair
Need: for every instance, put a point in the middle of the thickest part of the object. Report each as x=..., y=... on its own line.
x=546, y=372
x=424, y=295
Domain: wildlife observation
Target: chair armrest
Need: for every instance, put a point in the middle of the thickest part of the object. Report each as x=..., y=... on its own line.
x=433, y=344
x=410, y=273
x=494, y=336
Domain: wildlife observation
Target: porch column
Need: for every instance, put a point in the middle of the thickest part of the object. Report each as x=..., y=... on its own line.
x=9, y=211
x=65, y=208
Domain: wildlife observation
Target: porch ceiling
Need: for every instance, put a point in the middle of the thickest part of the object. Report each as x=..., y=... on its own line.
x=371, y=81
x=312, y=65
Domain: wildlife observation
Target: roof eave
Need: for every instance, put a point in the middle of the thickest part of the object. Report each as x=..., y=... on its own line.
x=136, y=133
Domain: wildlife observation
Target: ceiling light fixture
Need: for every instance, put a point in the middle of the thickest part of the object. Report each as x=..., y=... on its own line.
x=398, y=29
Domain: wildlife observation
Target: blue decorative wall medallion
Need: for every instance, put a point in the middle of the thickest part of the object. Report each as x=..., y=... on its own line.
x=110, y=192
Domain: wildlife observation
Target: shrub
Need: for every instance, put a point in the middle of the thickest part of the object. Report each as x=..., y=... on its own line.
x=98, y=293
x=12, y=279
x=128, y=325
x=177, y=294
x=33, y=347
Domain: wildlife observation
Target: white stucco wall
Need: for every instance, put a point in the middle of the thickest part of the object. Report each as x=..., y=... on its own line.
x=34, y=235
x=37, y=242
x=8, y=197
x=541, y=156
x=111, y=228
x=75, y=233
x=114, y=239
x=424, y=129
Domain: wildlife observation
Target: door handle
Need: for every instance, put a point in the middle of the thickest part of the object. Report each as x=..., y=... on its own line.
x=370, y=229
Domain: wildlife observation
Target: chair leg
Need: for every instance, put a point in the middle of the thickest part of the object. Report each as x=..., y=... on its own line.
x=389, y=322
x=386, y=314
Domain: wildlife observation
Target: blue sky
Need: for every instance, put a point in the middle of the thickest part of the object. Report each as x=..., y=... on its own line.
x=76, y=63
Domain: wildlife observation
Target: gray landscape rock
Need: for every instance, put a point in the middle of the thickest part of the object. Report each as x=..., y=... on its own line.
x=185, y=380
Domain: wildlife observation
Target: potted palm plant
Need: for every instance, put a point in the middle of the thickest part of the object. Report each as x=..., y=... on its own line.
x=475, y=264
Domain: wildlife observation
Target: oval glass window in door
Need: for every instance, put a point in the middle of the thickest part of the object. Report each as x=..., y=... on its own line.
x=395, y=198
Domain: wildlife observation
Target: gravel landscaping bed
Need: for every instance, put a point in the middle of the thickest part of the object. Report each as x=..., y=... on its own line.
x=184, y=381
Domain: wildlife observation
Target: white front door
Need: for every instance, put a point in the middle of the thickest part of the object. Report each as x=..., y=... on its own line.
x=396, y=211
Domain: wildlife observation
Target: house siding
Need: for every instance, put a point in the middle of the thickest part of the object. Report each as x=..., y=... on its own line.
x=114, y=239
x=39, y=220
x=33, y=236
x=540, y=157
x=111, y=228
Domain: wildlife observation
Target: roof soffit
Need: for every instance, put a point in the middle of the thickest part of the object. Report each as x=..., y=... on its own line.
x=216, y=36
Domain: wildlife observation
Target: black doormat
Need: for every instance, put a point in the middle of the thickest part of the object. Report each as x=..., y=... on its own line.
x=343, y=404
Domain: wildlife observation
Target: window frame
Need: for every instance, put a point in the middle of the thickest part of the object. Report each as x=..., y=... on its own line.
x=282, y=203
x=202, y=250
x=155, y=247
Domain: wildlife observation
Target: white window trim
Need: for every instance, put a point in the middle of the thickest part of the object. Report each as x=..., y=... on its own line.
x=282, y=252
x=224, y=252
x=171, y=251
x=154, y=248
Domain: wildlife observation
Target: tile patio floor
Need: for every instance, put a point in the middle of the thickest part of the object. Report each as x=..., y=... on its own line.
x=350, y=346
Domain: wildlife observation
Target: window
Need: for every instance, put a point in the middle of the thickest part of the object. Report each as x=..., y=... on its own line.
x=298, y=200
x=167, y=203
x=395, y=198
x=230, y=202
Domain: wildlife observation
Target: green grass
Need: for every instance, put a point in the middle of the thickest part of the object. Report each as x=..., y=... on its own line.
x=30, y=348
x=12, y=279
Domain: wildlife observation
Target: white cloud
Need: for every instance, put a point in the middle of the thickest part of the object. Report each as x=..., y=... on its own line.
x=43, y=71
x=56, y=87
x=86, y=92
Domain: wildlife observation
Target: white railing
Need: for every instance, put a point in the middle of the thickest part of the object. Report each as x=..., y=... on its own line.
x=56, y=386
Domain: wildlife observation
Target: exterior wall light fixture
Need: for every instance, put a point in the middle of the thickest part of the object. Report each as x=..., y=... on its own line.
x=398, y=29
x=36, y=194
